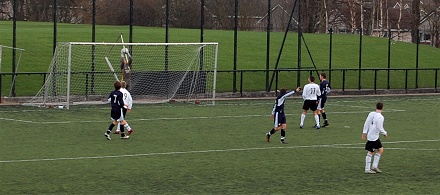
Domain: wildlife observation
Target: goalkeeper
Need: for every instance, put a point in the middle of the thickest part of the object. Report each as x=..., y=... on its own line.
x=126, y=61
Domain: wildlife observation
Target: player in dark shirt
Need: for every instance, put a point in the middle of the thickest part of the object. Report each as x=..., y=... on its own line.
x=117, y=103
x=325, y=90
x=278, y=115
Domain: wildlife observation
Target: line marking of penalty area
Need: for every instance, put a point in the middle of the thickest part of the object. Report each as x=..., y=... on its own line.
x=387, y=148
x=177, y=118
x=342, y=146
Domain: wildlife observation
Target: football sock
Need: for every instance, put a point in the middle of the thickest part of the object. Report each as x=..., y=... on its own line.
x=319, y=117
x=376, y=160
x=120, y=127
x=127, y=127
x=368, y=162
x=110, y=128
x=303, y=116
x=272, y=131
x=317, y=120
x=283, y=134
x=324, y=116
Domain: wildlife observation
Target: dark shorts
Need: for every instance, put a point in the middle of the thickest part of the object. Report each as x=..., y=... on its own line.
x=279, y=119
x=310, y=104
x=373, y=145
x=116, y=114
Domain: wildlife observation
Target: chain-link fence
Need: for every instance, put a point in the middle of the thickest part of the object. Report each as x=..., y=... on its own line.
x=268, y=25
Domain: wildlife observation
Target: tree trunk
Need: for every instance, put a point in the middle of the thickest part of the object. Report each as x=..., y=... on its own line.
x=400, y=18
x=381, y=18
x=326, y=15
x=352, y=7
x=373, y=15
x=415, y=20
x=361, y=2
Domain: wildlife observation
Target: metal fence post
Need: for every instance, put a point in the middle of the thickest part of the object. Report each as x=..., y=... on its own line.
x=417, y=58
x=343, y=80
x=241, y=83
x=268, y=44
x=360, y=58
x=330, y=55
x=435, y=80
x=406, y=81
x=389, y=58
x=234, y=82
x=1, y=78
x=375, y=80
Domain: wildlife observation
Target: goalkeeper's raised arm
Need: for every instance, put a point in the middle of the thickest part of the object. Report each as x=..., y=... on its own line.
x=126, y=61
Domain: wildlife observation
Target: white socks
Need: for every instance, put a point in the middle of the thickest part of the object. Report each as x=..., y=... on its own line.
x=368, y=162
x=127, y=127
x=303, y=116
x=376, y=160
x=317, y=120
x=118, y=127
x=375, y=164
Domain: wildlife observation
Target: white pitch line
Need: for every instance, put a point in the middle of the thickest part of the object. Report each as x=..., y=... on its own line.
x=177, y=118
x=218, y=150
x=386, y=148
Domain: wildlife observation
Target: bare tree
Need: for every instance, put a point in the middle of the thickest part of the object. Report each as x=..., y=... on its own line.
x=435, y=29
x=399, y=19
x=361, y=10
x=373, y=14
x=5, y=9
x=431, y=20
x=221, y=12
x=382, y=18
x=148, y=13
x=324, y=3
x=114, y=12
x=184, y=13
x=352, y=10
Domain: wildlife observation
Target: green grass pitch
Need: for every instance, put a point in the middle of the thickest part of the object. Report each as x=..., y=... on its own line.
x=179, y=148
x=37, y=40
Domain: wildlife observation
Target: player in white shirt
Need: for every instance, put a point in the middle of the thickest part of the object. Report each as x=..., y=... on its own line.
x=373, y=127
x=128, y=100
x=310, y=95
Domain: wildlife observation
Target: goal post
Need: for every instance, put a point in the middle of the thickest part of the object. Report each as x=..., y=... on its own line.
x=84, y=73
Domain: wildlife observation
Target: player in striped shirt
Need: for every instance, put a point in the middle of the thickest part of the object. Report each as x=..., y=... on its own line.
x=373, y=127
x=278, y=114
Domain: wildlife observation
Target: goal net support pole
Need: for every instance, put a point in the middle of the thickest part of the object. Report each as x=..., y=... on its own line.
x=10, y=50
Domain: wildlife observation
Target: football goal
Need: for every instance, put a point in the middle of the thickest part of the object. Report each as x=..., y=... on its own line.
x=84, y=73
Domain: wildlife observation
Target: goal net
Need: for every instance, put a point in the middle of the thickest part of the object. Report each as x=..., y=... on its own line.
x=9, y=67
x=84, y=73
